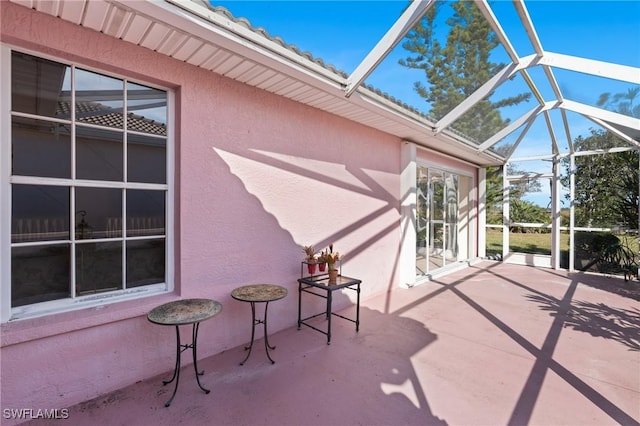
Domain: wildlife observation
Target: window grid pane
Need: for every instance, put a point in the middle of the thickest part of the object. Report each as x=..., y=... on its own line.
x=40, y=273
x=88, y=238
x=40, y=148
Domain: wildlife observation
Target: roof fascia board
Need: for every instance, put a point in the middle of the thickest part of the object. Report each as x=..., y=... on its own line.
x=402, y=26
x=513, y=126
x=377, y=102
x=592, y=67
x=373, y=101
x=486, y=11
x=214, y=28
x=602, y=114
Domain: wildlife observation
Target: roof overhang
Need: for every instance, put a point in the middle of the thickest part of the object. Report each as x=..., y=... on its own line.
x=191, y=32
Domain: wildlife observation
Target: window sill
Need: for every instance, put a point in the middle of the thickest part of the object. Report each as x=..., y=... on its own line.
x=24, y=330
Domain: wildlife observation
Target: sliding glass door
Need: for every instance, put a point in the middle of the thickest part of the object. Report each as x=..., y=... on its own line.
x=437, y=220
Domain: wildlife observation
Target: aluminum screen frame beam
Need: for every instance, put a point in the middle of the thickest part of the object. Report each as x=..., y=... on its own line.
x=608, y=117
x=591, y=67
x=400, y=28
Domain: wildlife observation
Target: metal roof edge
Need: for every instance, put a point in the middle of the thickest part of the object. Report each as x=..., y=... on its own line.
x=242, y=33
x=223, y=19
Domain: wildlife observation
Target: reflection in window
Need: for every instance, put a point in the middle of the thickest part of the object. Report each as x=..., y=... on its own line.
x=98, y=267
x=39, y=213
x=145, y=212
x=71, y=171
x=99, y=99
x=147, y=159
x=147, y=109
x=145, y=262
x=98, y=209
x=37, y=86
x=40, y=148
x=99, y=154
x=39, y=273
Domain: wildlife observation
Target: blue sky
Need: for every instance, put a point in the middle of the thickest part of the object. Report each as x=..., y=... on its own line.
x=341, y=33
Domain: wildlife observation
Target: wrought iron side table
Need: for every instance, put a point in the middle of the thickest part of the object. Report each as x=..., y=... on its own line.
x=314, y=284
x=185, y=312
x=259, y=293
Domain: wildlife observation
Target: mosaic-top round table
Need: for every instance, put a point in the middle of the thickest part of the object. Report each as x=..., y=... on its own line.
x=259, y=293
x=185, y=312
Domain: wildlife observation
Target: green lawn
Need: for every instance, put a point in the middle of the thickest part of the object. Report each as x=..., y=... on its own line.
x=536, y=243
x=540, y=243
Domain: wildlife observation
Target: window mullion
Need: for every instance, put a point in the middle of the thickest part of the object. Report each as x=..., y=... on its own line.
x=72, y=188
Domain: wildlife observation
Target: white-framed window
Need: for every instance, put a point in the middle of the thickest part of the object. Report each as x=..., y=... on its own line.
x=88, y=190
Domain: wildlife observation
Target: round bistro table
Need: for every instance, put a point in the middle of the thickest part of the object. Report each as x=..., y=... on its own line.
x=185, y=312
x=259, y=293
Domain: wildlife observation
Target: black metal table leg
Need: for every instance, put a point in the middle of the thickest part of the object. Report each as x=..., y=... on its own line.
x=181, y=313
x=299, y=305
x=358, y=309
x=176, y=371
x=194, y=344
x=254, y=323
x=179, y=349
x=266, y=336
x=329, y=301
x=259, y=293
x=322, y=288
x=253, y=328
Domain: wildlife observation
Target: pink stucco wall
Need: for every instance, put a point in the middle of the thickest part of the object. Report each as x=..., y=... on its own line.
x=257, y=177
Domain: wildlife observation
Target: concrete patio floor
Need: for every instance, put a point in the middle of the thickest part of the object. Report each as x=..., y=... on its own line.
x=492, y=344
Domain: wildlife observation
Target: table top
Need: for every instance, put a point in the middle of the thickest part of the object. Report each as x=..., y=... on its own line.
x=323, y=282
x=259, y=293
x=184, y=311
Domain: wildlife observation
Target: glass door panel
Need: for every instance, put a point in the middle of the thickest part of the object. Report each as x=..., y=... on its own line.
x=437, y=212
x=436, y=221
x=422, y=221
x=451, y=229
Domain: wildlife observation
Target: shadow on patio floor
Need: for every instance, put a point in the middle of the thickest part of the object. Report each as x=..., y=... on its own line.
x=492, y=344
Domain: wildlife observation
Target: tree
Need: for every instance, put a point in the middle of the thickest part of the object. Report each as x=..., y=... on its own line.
x=525, y=211
x=455, y=71
x=622, y=102
x=627, y=185
x=459, y=68
x=606, y=185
